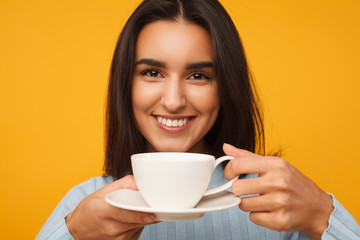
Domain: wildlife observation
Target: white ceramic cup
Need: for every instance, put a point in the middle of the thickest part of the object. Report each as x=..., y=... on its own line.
x=169, y=180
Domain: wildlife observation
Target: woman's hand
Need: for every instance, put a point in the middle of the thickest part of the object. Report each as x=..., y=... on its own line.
x=285, y=200
x=94, y=218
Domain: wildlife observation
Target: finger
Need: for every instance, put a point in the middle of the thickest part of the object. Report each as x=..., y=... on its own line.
x=130, y=217
x=278, y=222
x=133, y=217
x=117, y=230
x=249, y=186
x=261, y=218
x=236, y=152
x=246, y=165
x=245, y=162
x=260, y=203
x=127, y=182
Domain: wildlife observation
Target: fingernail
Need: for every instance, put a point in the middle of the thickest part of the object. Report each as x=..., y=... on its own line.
x=149, y=219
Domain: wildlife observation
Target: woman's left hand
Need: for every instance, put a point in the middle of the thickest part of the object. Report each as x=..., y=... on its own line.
x=285, y=199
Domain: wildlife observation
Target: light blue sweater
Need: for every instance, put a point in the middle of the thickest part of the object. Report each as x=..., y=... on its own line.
x=228, y=224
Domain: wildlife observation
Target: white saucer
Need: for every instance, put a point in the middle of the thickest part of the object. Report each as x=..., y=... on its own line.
x=132, y=200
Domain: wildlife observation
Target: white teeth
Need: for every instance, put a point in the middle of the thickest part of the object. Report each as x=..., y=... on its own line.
x=173, y=123
x=168, y=123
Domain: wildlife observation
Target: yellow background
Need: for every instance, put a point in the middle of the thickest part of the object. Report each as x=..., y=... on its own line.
x=54, y=65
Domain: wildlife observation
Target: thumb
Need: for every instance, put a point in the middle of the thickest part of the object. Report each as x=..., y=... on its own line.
x=127, y=182
x=230, y=150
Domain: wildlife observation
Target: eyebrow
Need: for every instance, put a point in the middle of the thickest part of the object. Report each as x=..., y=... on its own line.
x=151, y=62
x=161, y=64
x=199, y=65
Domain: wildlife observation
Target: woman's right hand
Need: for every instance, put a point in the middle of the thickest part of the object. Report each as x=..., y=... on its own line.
x=94, y=218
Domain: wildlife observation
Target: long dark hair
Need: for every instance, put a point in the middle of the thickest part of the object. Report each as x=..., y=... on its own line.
x=239, y=121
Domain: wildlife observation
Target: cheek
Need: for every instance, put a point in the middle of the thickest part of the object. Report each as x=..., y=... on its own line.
x=144, y=96
x=206, y=101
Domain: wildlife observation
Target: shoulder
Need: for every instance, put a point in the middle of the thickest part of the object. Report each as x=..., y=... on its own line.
x=93, y=184
x=55, y=225
x=80, y=191
x=88, y=187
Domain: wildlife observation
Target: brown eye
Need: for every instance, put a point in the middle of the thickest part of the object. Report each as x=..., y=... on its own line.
x=199, y=76
x=152, y=73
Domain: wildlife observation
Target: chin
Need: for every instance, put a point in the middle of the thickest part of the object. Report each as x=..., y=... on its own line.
x=171, y=149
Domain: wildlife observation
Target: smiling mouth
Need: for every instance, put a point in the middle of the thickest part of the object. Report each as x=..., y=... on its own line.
x=173, y=122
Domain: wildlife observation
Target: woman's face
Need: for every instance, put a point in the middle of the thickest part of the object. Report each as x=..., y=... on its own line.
x=174, y=92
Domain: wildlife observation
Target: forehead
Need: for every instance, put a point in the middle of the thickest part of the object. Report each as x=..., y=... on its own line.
x=174, y=39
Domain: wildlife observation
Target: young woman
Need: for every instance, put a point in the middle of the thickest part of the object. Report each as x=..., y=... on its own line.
x=180, y=82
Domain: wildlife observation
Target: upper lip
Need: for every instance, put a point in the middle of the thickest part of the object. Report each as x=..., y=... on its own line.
x=174, y=117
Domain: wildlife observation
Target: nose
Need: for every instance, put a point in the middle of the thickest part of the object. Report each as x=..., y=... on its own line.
x=173, y=97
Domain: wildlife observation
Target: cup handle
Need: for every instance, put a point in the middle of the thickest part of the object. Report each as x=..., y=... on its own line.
x=226, y=185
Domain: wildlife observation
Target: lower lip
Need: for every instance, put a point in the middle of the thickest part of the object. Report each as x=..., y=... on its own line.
x=174, y=129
